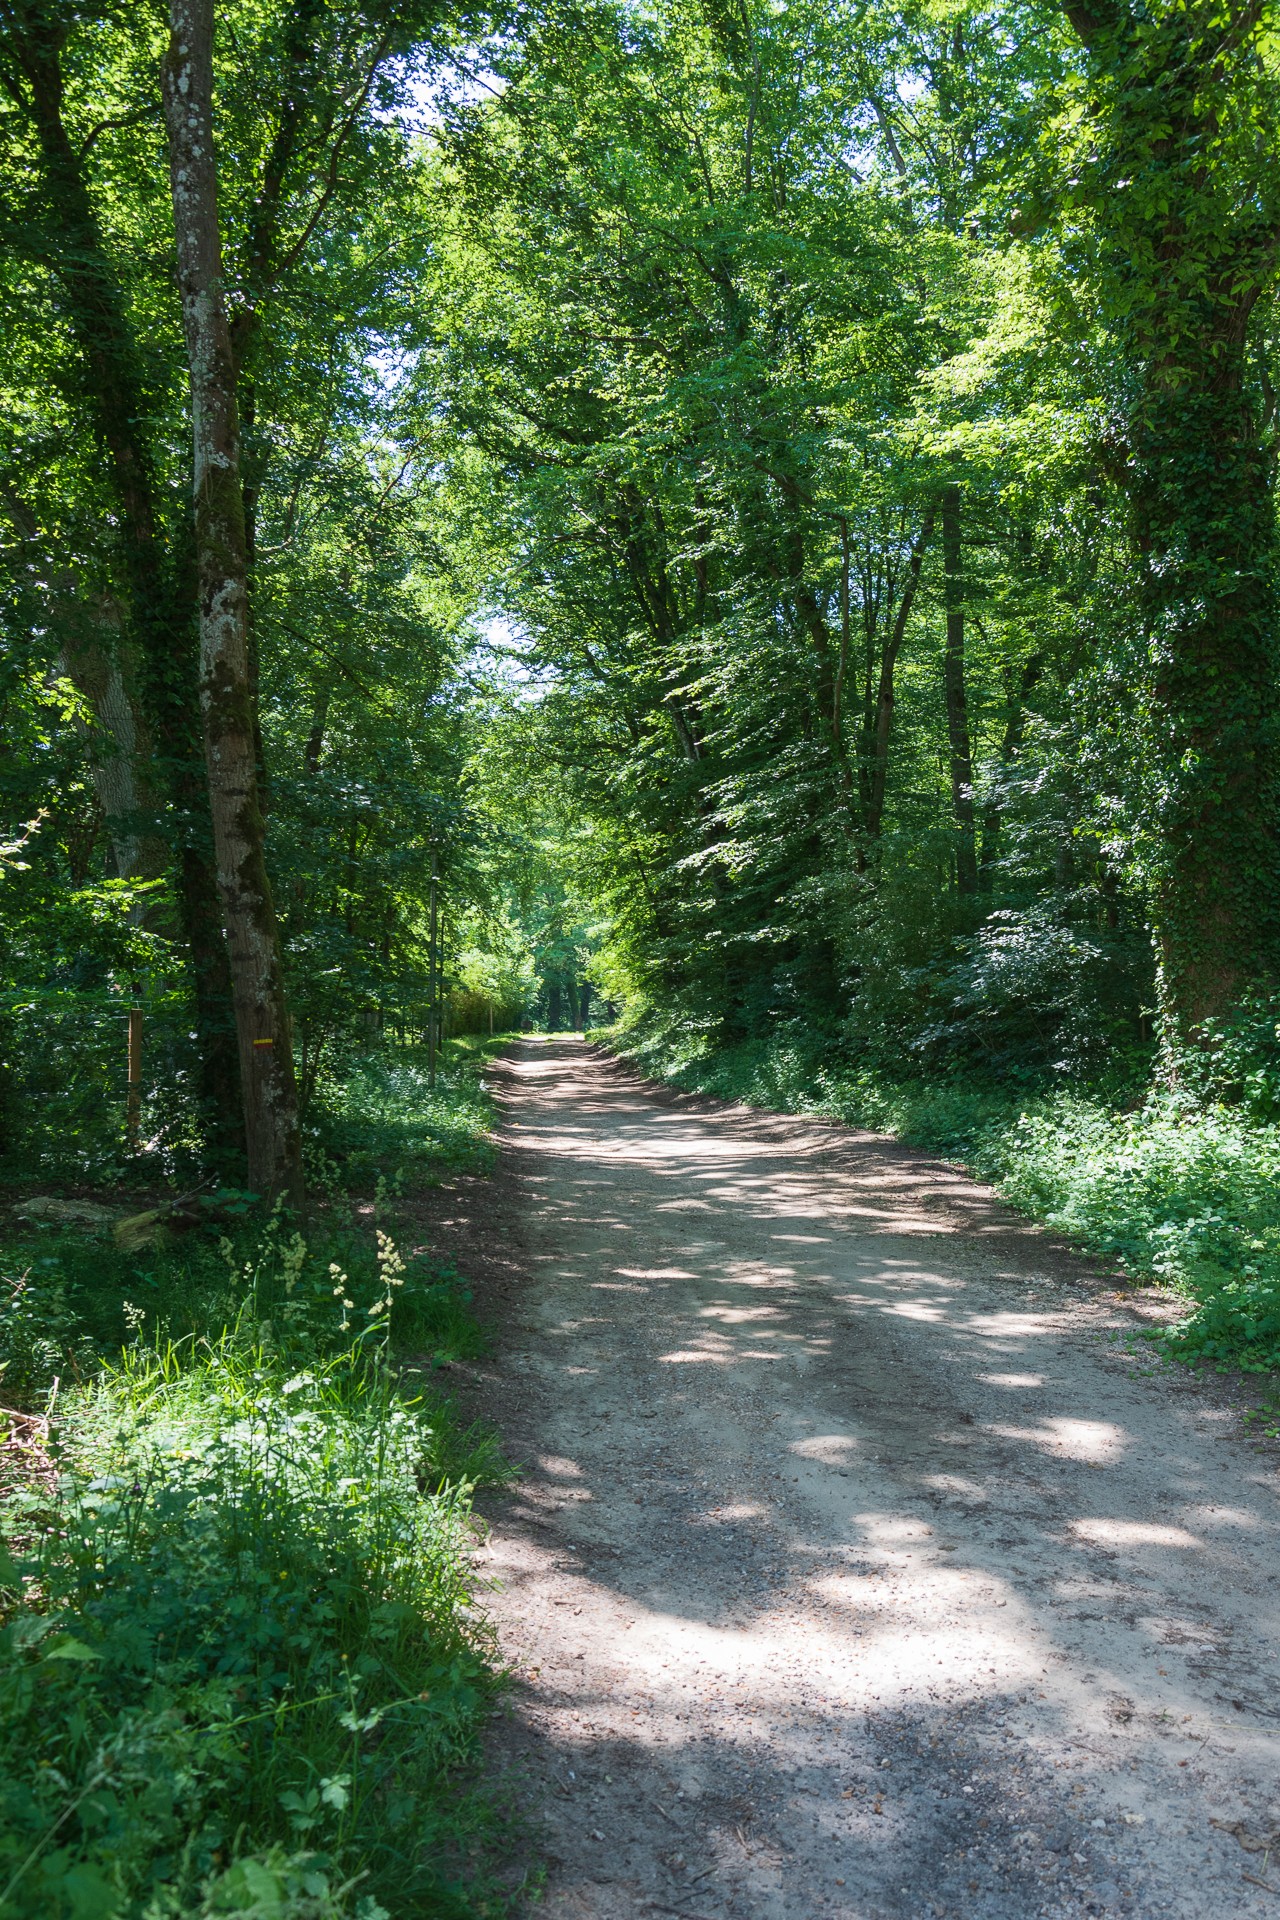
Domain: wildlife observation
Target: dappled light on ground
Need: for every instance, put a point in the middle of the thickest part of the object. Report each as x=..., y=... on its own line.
x=852, y=1531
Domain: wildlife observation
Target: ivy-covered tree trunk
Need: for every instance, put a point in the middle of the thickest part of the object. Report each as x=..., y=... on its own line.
x=253, y=942
x=1204, y=516
x=1185, y=185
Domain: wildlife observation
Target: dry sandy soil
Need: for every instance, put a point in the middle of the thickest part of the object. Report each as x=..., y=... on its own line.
x=864, y=1564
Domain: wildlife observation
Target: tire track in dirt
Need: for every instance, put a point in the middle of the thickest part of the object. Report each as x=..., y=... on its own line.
x=859, y=1569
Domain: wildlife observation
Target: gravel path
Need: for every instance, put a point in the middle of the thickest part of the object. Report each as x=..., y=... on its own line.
x=864, y=1565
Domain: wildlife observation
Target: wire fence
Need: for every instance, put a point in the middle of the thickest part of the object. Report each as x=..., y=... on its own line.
x=90, y=1078
x=98, y=1081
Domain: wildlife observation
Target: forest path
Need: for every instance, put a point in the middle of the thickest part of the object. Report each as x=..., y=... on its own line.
x=858, y=1570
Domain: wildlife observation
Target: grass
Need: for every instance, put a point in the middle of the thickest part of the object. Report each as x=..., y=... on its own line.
x=242, y=1665
x=1185, y=1194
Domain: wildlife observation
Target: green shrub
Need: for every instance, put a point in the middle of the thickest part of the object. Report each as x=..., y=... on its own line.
x=41, y=1334
x=254, y=1643
x=434, y=1315
x=1188, y=1196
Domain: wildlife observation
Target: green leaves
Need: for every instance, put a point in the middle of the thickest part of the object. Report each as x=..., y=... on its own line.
x=66, y=1647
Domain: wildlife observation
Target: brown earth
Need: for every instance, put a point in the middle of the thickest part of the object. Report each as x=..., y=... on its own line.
x=865, y=1563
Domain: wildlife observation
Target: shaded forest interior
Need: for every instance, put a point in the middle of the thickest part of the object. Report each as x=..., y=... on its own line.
x=750, y=528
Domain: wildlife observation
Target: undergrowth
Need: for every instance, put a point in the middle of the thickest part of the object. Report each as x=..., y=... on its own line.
x=1187, y=1193
x=242, y=1667
x=381, y=1111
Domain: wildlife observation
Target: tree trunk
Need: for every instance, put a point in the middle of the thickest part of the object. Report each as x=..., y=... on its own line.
x=433, y=972
x=957, y=699
x=885, y=695
x=829, y=659
x=1017, y=692
x=253, y=943
x=95, y=658
x=117, y=757
x=1205, y=517
x=315, y=739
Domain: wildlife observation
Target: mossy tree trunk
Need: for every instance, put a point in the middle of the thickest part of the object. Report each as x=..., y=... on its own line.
x=253, y=941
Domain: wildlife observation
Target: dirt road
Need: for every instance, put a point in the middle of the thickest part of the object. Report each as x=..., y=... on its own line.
x=861, y=1568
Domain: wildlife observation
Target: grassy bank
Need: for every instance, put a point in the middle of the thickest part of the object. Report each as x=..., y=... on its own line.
x=1186, y=1195
x=242, y=1668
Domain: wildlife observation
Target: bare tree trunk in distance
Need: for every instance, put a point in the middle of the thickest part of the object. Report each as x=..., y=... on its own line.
x=957, y=700
x=879, y=737
x=433, y=1004
x=249, y=918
